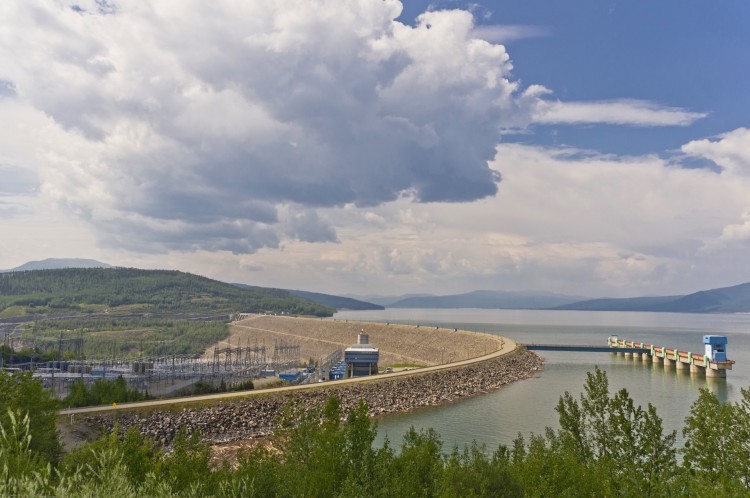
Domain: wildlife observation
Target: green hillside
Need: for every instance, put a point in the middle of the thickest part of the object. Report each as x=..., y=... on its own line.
x=129, y=290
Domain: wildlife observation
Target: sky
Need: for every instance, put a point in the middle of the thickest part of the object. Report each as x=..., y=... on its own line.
x=590, y=148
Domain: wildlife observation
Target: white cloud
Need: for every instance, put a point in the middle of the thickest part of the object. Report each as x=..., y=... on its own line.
x=187, y=133
x=731, y=151
x=263, y=105
x=310, y=103
x=503, y=33
x=566, y=220
x=619, y=112
x=739, y=232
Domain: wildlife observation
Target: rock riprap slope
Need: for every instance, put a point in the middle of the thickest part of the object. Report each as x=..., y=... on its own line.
x=248, y=418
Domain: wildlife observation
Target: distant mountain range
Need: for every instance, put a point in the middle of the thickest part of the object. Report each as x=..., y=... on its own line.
x=487, y=299
x=58, y=263
x=735, y=299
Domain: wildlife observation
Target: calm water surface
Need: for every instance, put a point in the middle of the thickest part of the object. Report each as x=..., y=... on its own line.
x=528, y=406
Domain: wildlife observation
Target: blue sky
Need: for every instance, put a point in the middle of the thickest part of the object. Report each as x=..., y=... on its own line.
x=373, y=147
x=689, y=54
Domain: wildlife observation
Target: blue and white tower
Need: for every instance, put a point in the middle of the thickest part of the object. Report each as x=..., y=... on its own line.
x=716, y=347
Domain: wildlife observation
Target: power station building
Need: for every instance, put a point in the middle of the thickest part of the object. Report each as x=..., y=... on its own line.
x=362, y=358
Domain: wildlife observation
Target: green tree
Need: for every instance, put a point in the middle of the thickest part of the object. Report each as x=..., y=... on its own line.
x=78, y=395
x=471, y=473
x=15, y=454
x=315, y=451
x=101, y=392
x=23, y=472
x=21, y=393
x=658, y=464
x=188, y=468
x=548, y=466
x=138, y=455
x=360, y=457
x=708, y=433
x=259, y=473
x=741, y=443
x=418, y=468
x=612, y=436
x=715, y=452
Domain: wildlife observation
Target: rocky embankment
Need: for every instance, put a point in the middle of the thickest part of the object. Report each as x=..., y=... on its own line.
x=257, y=416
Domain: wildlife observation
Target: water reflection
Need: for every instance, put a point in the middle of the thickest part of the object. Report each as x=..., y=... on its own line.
x=719, y=387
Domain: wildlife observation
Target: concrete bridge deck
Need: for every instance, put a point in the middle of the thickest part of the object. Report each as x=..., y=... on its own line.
x=581, y=348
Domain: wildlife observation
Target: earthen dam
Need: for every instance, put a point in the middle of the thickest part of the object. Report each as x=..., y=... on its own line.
x=455, y=364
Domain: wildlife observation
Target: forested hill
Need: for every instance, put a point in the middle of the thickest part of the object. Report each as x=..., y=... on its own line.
x=133, y=290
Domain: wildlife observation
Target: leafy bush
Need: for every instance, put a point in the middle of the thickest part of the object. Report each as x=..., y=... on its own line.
x=24, y=396
x=102, y=392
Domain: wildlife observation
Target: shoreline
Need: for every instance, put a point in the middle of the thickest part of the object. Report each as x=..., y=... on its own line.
x=486, y=363
x=251, y=418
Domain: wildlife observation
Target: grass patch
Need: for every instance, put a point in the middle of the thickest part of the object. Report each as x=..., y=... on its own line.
x=110, y=336
x=13, y=311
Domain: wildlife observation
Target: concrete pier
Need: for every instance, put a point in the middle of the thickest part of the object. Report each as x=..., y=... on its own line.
x=712, y=362
x=718, y=373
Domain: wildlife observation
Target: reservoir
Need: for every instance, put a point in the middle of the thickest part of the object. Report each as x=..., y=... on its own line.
x=529, y=406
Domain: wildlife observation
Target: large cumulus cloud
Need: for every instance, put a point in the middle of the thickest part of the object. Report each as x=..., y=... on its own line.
x=186, y=124
x=192, y=125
